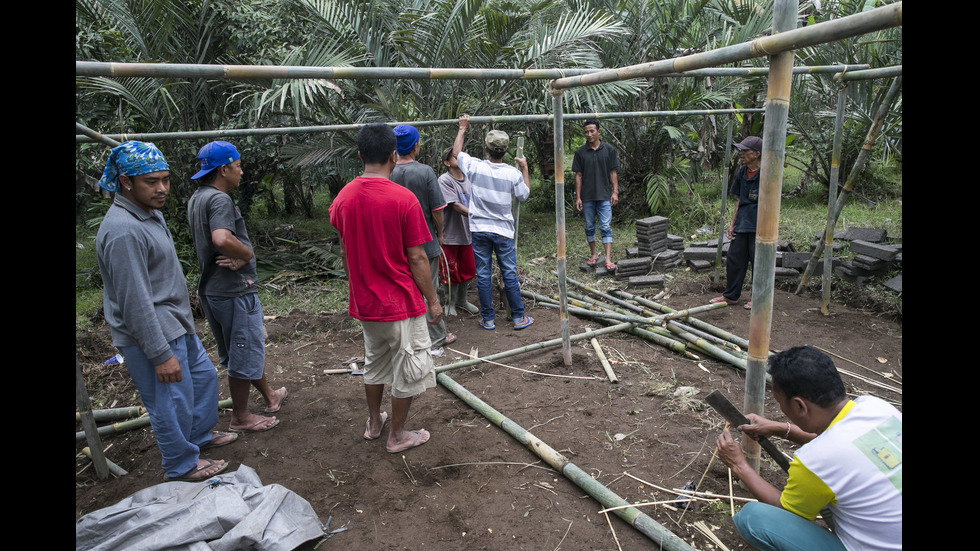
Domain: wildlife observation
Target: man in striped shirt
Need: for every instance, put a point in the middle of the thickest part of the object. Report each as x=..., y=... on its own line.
x=494, y=186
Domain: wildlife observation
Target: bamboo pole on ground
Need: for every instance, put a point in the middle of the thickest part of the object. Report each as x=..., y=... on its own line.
x=856, y=170
x=492, y=119
x=113, y=468
x=722, y=218
x=90, y=431
x=767, y=224
x=876, y=19
x=633, y=516
x=828, y=259
x=557, y=98
x=137, y=423
x=114, y=414
x=602, y=359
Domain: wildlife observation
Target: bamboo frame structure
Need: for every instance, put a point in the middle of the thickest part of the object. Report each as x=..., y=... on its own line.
x=559, y=139
x=828, y=260
x=724, y=200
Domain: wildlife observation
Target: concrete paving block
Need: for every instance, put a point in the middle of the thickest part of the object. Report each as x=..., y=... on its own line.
x=700, y=265
x=796, y=260
x=700, y=253
x=873, y=235
x=655, y=280
x=875, y=250
x=895, y=283
x=786, y=273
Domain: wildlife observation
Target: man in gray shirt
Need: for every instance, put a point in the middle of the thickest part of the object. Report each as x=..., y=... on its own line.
x=227, y=288
x=421, y=180
x=148, y=311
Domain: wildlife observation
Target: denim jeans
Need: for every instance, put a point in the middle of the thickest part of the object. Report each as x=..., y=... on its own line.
x=769, y=528
x=486, y=244
x=604, y=210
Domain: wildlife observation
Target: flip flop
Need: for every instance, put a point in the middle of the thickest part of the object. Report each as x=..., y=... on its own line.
x=722, y=299
x=216, y=442
x=189, y=475
x=748, y=305
x=285, y=394
x=415, y=443
x=450, y=338
x=367, y=426
x=488, y=325
x=525, y=322
x=255, y=424
x=592, y=261
x=610, y=266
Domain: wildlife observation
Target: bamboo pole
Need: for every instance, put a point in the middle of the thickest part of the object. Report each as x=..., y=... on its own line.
x=767, y=224
x=856, y=170
x=492, y=119
x=90, y=431
x=557, y=98
x=137, y=423
x=516, y=207
x=113, y=468
x=633, y=516
x=537, y=346
x=114, y=414
x=867, y=74
x=602, y=359
x=828, y=259
x=704, y=326
x=247, y=72
x=876, y=19
x=95, y=136
x=722, y=219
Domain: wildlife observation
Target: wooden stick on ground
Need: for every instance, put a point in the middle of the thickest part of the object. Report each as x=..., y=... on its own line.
x=604, y=361
x=710, y=461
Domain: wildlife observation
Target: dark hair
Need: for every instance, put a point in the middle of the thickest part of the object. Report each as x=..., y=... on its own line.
x=208, y=178
x=591, y=121
x=806, y=372
x=375, y=142
x=447, y=154
x=496, y=154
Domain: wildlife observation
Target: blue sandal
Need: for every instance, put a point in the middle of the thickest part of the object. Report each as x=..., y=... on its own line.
x=524, y=322
x=488, y=325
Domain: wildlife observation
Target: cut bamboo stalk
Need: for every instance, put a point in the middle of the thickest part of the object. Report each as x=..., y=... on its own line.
x=828, y=259
x=114, y=414
x=633, y=516
x=604, y=361
x=137, y=423
x=113, y=468
x=89, y=431
x=559, y=137
x=723, y=217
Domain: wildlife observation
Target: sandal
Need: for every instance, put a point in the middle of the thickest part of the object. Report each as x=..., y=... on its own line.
x=592, y=261
x=748, y=305
x=722, y=299
x=450, y=338
x=219, y=439
x=189, y=475
x=522, y=323
x=610, y=266
x=488, y=325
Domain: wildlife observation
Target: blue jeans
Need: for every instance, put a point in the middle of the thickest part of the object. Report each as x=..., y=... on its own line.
x=181, y=414
x=486, y=244
x=604, y=209
x=769, y=528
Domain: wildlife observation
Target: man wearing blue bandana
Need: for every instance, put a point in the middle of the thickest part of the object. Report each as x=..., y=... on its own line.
x=148, y=311
x=227, y=288
x=421, y=180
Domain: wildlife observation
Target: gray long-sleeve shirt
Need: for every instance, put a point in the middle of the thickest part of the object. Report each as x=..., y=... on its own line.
x=145, y=294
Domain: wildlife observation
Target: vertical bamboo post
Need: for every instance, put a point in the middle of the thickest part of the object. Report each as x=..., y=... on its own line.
x=88, y=423
x=557, y=98
x=767, y=225
x=516, y=207
x=724, y=198
x=856, y=170
x=828, y=258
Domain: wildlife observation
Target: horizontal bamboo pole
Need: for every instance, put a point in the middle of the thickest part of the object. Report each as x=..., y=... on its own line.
x=88, y=137
x=538, y=346
x=246, y=72
x=114, y=414
x=633, y=516
x=866, y=74
x=137, y=423
x=828, y=31
x=704, y=326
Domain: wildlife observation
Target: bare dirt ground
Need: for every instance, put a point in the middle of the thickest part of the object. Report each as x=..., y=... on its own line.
x=472, y=485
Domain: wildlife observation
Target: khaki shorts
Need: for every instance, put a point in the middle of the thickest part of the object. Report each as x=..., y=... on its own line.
x=396, y=353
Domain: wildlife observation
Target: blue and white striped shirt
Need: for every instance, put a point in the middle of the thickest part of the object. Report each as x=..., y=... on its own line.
x=494, y=185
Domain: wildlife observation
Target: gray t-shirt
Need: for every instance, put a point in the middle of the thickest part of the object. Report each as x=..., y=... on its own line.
x=211, y=209
x=421, y=180
x=456, y=226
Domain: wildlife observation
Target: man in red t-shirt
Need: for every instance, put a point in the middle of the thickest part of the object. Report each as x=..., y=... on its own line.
x=382, y=231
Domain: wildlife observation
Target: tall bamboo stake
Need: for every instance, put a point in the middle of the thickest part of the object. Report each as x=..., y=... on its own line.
x=516, y=207
x=557, y=97
x=722, y=219
x=633, y=516
x=828, y=259
x=876, y=19
x=88, y=423
x=767, y=224
x=856, y=170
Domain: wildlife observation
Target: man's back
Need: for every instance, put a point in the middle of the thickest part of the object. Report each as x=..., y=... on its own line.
x=210, y=209
x=421, y=180
x=494, y=185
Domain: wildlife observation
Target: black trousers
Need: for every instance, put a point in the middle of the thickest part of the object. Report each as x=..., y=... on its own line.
x=741, y=252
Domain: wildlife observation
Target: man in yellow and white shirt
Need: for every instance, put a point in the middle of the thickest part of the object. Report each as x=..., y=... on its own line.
x=850, y=461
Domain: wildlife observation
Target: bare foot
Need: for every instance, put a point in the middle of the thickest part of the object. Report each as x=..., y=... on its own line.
x=411, y=439
x=274, y=405
x=253, y=423
x=374, y=435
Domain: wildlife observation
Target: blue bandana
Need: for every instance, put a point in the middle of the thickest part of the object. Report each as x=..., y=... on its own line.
x=405, y=136
x=131, y=158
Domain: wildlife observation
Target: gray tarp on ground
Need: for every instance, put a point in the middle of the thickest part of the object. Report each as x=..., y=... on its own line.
x=232, y=511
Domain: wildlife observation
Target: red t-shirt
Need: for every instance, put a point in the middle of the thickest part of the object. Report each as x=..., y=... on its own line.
x=378, y=220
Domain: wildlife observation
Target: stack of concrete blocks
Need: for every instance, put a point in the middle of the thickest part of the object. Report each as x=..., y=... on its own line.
x=873, y=256
x=653, y=240
x=700, y=256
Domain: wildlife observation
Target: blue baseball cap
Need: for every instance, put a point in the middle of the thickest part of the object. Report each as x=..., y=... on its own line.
x=405, y=136
x=215, y=154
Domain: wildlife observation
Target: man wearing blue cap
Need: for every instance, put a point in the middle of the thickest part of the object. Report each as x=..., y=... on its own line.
x=421, y=180
x=148, y=311
x=741, y=231
x=227, y=288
